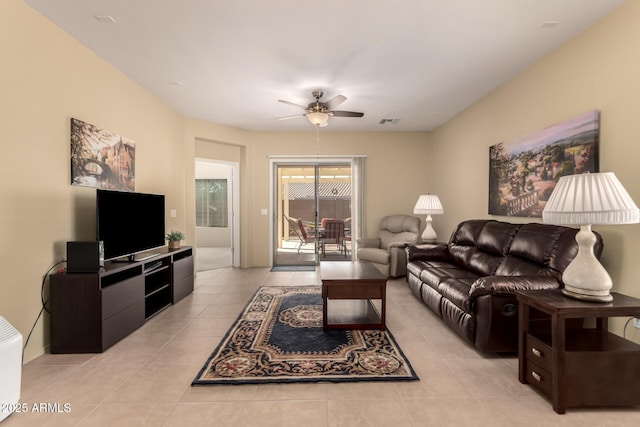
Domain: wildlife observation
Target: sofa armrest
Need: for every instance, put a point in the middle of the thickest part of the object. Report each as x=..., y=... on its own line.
x=371, y=242
x=397, y=261
x=427, y=252
x=400, y=245
x=508, y=285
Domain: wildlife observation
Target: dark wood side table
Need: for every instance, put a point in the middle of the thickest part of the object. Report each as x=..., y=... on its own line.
x=356, y=284
x=574, y=365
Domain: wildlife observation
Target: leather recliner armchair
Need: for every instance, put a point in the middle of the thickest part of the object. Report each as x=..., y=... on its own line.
x=387, y=251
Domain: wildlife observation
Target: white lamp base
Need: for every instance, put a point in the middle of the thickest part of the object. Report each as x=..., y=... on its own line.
x=586, y=297
x=429, y=234
x=585, y=278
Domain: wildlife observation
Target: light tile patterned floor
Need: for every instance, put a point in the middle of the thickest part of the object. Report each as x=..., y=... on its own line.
x=145, y=379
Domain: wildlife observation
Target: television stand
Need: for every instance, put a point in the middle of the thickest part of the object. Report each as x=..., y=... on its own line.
x=135, y=257
x=121, y=260
x=90, y=312
x=143, y=257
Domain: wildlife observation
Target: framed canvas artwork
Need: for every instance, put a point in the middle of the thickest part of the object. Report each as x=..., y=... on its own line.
x=523, y=172
x=101, y=159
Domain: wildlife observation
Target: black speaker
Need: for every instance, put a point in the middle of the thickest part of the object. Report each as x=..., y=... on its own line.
x=85, y=257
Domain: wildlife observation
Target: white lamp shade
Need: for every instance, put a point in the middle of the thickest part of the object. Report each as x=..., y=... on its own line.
x=591, y=198
x=318, y=118
x=428, y=204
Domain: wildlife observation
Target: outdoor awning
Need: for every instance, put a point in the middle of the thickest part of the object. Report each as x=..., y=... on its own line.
x=326, y=190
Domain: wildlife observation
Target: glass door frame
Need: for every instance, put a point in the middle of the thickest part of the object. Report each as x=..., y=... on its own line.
x=304, y=175
x=316, y=162
x=234, y=205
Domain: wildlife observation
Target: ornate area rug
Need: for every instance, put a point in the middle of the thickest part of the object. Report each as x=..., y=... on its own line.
x=278, y=337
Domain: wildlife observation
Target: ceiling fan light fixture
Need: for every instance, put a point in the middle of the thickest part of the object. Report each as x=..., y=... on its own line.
x=318, y=118
x=318, y=113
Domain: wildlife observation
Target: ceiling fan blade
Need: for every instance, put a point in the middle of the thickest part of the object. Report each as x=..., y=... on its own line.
x=335, y=101
x=292, y=104
x=346, y=114
x=291, y=117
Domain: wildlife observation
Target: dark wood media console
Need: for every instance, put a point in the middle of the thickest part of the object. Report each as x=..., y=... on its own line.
x=90, y=312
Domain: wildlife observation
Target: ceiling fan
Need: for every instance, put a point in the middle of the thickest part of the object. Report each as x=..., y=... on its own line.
x=318, y=113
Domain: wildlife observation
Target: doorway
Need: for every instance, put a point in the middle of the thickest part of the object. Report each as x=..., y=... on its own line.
x=306, y=195
x=216, y=204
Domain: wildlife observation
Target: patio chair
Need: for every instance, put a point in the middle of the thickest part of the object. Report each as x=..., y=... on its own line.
x=334, y=235
x=304, y=236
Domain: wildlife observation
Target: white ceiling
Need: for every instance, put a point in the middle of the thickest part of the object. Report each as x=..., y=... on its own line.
x=230, y=61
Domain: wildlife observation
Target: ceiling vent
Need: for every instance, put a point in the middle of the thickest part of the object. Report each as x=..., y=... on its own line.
x=389, y=121
x=105, y=19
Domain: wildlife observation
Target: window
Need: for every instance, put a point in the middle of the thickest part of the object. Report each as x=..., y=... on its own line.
x=211, y=203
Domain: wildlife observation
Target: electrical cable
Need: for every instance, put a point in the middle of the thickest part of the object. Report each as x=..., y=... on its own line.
x=624, y=330
x=43, y=303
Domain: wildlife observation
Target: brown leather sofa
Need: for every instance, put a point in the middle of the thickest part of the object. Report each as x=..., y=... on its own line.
x=470, y=281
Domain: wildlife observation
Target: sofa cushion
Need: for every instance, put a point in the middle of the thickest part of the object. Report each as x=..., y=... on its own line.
x=467, y=232
x=484, y=263
x=463, y=245
x=496, y=237
x=415, y=267
x=434, y=275
x=515, y=266
x=457, y=292
x=536, y=242
x=461, y=254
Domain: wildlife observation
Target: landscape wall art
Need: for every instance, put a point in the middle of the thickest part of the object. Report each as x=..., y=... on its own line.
x=101, y=159
x=523, y=172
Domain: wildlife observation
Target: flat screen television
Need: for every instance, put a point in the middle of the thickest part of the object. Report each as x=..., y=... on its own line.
x=129, y=223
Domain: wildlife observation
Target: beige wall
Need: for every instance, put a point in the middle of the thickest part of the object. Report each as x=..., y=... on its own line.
x=47, y=78
x=597, y=70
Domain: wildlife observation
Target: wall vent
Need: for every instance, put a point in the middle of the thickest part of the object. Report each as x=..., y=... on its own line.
x=105, y=19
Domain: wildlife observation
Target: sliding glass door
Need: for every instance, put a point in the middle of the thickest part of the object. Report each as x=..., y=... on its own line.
x=306, y=196
x=334, y=206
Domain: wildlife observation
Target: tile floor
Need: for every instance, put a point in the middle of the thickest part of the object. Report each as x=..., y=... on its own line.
x=145, y=379
x=212, y=258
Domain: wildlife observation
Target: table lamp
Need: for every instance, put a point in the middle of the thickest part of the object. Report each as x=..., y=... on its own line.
x=586, y=199
x=428, y=204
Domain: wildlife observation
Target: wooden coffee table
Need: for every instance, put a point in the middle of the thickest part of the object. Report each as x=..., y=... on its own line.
x=348, y=289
